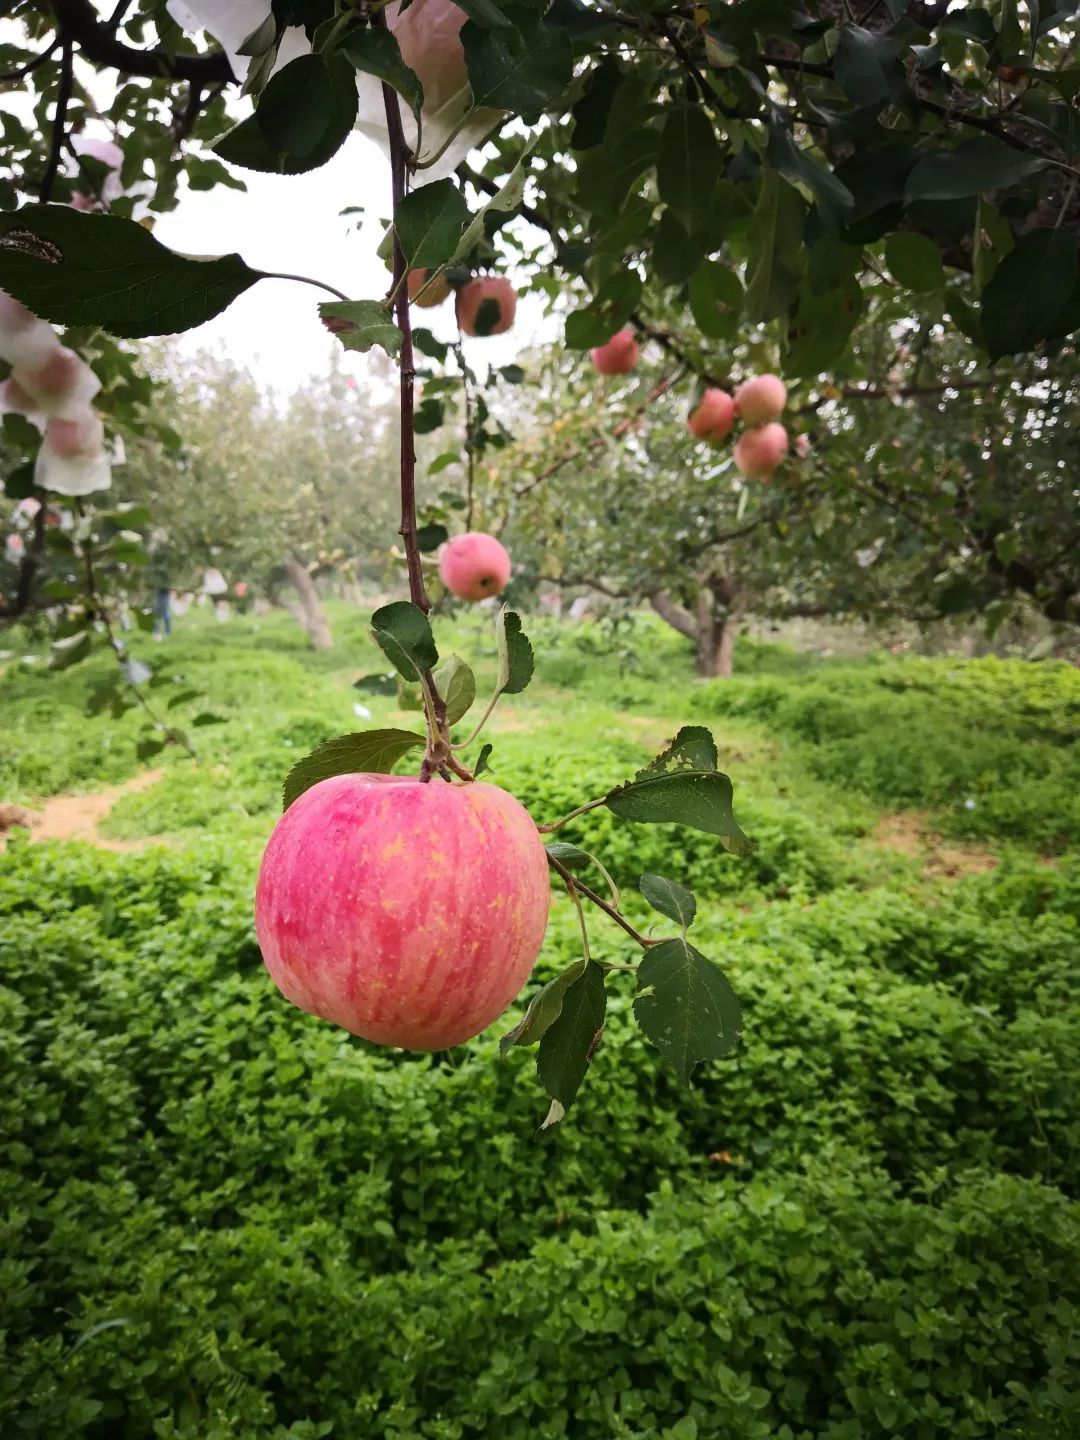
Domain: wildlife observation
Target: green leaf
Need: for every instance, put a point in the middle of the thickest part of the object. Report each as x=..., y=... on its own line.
x=402, y=633
x=985, y=163
x=430, y=537
x=775, y=264
x=592, y=110
x=821, y=326
x=376, y=52
x=429, y=224
x=456, y=683
x=426, y=343
x=543, y=1010
x=19, y=483
x=361, y=324
x=521, y=73
x=915, y=261
x=1030, y=287
x=208, y=717
x=73, y=268
x=302, y=120
x=834, y=199
x=867, y=66
x=70, y=650
x=371, y=752
x=716, y=300
x=377, y=684
x=570, y=1041
x=20, y=433
x=572, y=856
x=482, y=761
x=693, y=748
x=515, y=653
x=506, y=199
x=485, y=13
x=686, y=1006
x=698, y=798
x=688, y=165
x=674, y=901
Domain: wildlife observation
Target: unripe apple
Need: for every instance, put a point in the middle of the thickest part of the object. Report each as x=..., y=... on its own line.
x=760, y=399
x=619, y=356
x=759, y=451
x=410, y=914
x=713, y=416
x=474, y=566
x=83, y=435
x=486, y=305
x=434, y=295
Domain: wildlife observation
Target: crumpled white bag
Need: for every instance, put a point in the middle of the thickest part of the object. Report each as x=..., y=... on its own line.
x=428, y=34
x=71, y=475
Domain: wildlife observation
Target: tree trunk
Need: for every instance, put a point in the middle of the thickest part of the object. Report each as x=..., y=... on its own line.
x=713, y=626
x=310, y=612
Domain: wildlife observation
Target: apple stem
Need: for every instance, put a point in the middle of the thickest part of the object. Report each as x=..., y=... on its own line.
x=581, y=810
x=573, y=884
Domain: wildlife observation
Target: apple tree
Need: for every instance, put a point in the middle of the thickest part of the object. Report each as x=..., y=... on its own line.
x=700, y=175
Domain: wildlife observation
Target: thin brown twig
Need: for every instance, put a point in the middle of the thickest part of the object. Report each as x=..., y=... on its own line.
x=21, y=71
x=623, y=428
x=59, y=126
x=572, y=882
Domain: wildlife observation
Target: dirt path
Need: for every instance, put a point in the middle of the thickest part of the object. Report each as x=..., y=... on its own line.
x=77, y=817
x=912, y=834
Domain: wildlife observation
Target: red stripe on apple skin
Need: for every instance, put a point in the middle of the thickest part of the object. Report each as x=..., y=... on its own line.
x=409, y=914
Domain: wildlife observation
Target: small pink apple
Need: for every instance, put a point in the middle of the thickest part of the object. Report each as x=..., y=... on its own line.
x=619, y=356
x=83, y=435
x=409, y=914
x=240, y=589
x=802, y=446
x=486, y=305
x=760, y=399
x=14, y=545
x=474, y=566
x=758, y=452
x=435, y=294
x=713, y=416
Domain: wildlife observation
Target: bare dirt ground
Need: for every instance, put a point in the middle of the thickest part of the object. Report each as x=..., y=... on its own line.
x=912, y=834
x=77, y=817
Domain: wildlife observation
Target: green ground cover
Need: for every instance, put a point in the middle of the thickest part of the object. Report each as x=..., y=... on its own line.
x=225, y=1220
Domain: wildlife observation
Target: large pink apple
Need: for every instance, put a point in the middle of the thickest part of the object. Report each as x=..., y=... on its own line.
x=474, y=566
x=486, y=305
x=409, y=913
x=713, y=416
x=758, y=452
x=619, y=356
x=761, y=399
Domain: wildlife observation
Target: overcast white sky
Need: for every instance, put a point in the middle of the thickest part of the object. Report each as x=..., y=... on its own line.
x=294, y=224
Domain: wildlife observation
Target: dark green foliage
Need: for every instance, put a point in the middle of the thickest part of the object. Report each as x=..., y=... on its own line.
x=225, y=1220
x=998, y=734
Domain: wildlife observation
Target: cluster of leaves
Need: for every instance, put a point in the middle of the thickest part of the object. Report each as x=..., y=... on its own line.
x=902, y=1125
x=902, y=735
x=685, y=1005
